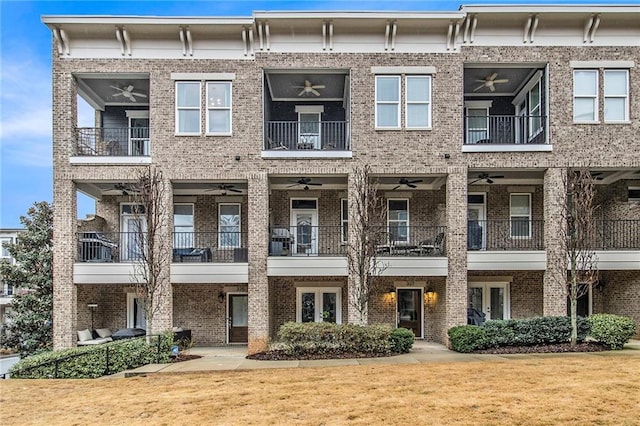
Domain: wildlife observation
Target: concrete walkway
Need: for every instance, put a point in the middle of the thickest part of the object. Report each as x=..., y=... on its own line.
x=226, y=358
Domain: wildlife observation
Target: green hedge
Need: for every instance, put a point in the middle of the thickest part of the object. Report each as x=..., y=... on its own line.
x=91, y=361
x=301, y=339
x=612, y=330
x=520, y=332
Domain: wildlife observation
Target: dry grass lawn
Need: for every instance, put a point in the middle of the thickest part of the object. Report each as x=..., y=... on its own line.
x=552, y=391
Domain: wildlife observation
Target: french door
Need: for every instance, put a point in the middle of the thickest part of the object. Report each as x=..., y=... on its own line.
x=319, y=305
x=490, y=299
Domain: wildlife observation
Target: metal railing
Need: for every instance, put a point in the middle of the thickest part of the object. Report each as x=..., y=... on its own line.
x=306, y=136
x=113, y=142
x=505, y=129
x=200, y=247
x=307, y=240
x=505, y=234
x=412, y=241
x=617, y=235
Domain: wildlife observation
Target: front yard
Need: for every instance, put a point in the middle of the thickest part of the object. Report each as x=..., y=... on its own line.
x=589, y=389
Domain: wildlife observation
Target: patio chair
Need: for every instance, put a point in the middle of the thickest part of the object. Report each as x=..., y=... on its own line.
x=434, y=247
x=276, y=146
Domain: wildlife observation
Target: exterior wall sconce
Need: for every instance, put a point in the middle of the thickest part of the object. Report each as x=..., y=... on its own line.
x=430, y=297
x=392, y=292
x=221, y=297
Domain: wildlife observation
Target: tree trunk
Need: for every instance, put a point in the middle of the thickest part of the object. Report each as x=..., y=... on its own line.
x=574, y=312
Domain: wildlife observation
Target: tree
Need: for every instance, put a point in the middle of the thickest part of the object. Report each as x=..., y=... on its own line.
x=365, y=234
x=29, y=323
x=150, y=260
x=578, y=239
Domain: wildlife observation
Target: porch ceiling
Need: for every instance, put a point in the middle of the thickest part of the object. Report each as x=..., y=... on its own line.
x=517, y=76
x=287, y=85
x=602, y=176
x=97, y=89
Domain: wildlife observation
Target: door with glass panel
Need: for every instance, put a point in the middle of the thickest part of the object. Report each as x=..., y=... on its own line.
x=309, y=131
x=319, y=305
x=134, y=226
x=138, y=136
x=477, y=125
x=410, y=309
x=488, y=301
x=238, y=318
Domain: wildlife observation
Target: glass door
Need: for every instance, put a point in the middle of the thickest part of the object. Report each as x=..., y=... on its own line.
x=309, y=130
x=410, y=309
x=305, y=232
x=319, y=305
x=132, y=239
x=476, y=223
x=477, y=125
x=138, y=136
x=488, y=301
x=238, y=318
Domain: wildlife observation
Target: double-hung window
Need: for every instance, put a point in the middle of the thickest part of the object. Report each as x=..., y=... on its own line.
x=219, y=108
x=616, y=96
x=585, y=96
x=388, y=102
x=418, y=102
x=188, y=107
x=398, y=220
x=520, y=215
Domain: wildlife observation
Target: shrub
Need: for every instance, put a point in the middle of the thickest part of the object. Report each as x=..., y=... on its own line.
x=91, y=361
x=468, y=338
x=612, y=330
x=401, y=340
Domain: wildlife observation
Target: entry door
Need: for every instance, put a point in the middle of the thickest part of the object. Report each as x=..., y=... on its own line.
x=238, y=318
x=132, y=243
x=490, y=299
x=476, y=227
x=410, y=309
x=477, y=125
x=138, y=136
x=309, y=137
x=304, y=228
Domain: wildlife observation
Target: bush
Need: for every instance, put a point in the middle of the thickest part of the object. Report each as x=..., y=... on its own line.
x=303, y=339
x=468, y=338
x=91, y=361
x=401, y=340
x=612, y=330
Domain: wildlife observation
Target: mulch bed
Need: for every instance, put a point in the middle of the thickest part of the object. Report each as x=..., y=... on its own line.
x=185, y=357
x=281, y=356
x=556, y=348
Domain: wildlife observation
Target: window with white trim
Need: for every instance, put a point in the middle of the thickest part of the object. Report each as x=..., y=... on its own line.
x=344, y=220
x=418, y=102
x=520, y=215
x=398, y=220
x=535, y=110
x=319, y=304
x=183, y=226
x=136, y=314
x=616, y=96
x=4, y=251
x=585, y=96
x=218, y=108
x=229, y=225
x=388, y=102
x=188, y=107
x=634, y=193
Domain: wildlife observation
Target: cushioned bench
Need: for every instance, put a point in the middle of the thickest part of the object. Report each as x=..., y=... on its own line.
x=85, y=337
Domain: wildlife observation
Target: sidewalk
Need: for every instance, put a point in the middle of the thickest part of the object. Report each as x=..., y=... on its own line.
x=225, y=358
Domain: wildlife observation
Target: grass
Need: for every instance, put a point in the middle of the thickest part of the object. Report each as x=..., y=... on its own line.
x=602, y=389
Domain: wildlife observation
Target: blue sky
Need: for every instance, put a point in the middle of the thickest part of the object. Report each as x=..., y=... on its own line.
x=25, y=78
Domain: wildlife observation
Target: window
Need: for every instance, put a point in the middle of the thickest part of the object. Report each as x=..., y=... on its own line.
x=344, y=220
x=136, y=317
x=183, y=226
x=398, y=220
x=535, y=110
x=418, y=102
x=229, y=225
x=520, y=215
x=319, y=304
x=616, y=95
x=188, y=108
x=219, y=108
x=388, y=102
x=585, y=96
x=4, y=251
x=634, y=193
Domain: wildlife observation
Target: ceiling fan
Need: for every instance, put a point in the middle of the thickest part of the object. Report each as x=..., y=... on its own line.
x=486, y=177
x=309, y=88
x=489, y=82
x=596, y=175
x=125, y=188
x=223, y=187
x=127, y=92
x=409, y=183
x=305, y=182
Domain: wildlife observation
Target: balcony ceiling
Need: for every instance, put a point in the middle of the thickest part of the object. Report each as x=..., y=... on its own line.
x=99, y=89
x=536, y=177
x=517, y=77
x=285, y=85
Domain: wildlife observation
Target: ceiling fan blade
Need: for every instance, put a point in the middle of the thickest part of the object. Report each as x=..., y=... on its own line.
x=315, y=92
x=478, y=88
x=129, y=88
x=493, y=89
x=410, y=185
x=318, y=86
x=471, y=183
x=142, y=95
x=496, y=177
x=302, y=92
x=396, y=187
x=414, y=181
x=481, y=81
x=234, y=190
x=117, y=88
x=492, y=76
x=295, y=184
x=132, y=98
x=502, y=80
x=313, y=184
x=489, y=181
x=118, y=94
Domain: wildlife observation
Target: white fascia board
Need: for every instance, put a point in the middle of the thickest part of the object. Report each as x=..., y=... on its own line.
x=301, y=266
x=550, y=8
x=618, y=260
x=529, y=260
x=196, y=273
x=147, y=20
x=357, y=15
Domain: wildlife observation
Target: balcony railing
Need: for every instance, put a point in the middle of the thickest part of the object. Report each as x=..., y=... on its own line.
x=113, y=142
x=200, y=247
x=412, y=241
x=307, y=240
x=617, y=235
x=506, y=234
x=505, y=129
x=306, y=136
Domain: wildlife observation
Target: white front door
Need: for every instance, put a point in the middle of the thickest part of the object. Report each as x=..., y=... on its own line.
x=319, y=304
x=304, y=229
x=490, y=299
x=476, y=227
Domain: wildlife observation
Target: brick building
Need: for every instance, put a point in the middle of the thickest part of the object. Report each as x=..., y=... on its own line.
x=468, y=119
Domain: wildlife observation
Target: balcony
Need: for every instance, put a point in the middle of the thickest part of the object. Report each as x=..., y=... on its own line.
x=617, y=235
x=113, y=142
x=412, y=241
x=505, y=235
x=307, y=136
x=307, y=241
x=505, y=130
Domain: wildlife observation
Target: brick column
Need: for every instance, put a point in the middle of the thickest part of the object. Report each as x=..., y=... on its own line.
x=553, y=292
x=64, y=255
x=258, y=215
x=163, y=319
x=456, y=243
